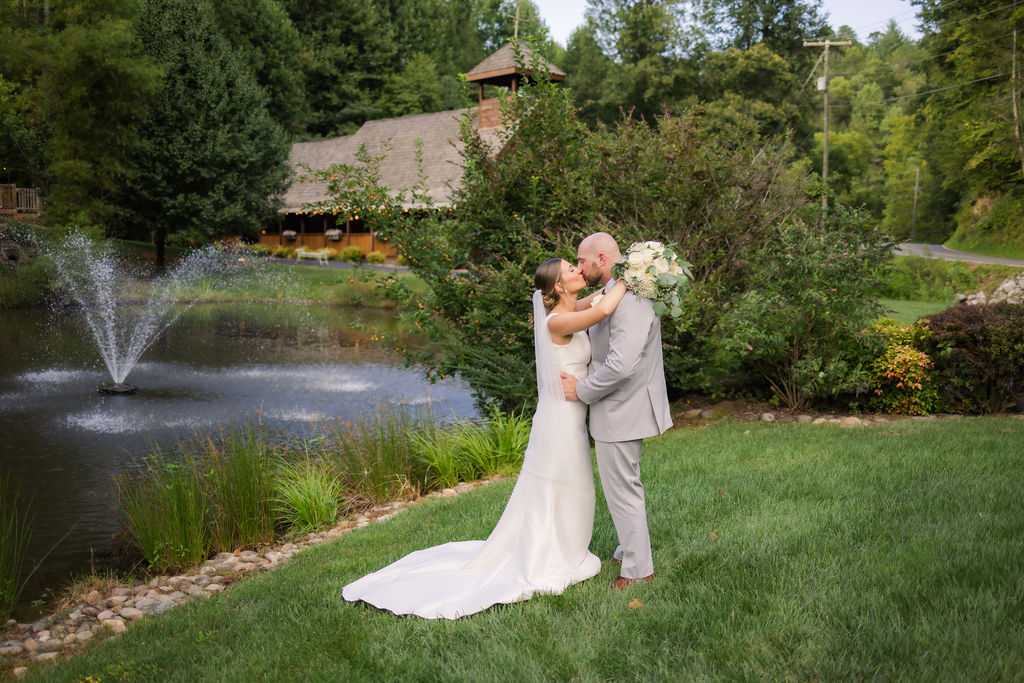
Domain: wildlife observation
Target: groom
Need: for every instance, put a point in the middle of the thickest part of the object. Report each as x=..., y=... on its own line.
x=628, y=402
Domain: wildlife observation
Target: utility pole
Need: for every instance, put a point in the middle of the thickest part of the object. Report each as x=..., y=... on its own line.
x=913, y=221
x=823, y=85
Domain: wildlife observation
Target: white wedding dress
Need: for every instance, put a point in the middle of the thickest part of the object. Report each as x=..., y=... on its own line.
x=540, y=544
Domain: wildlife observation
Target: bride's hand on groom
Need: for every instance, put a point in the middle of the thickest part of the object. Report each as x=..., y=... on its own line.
x=569, y=386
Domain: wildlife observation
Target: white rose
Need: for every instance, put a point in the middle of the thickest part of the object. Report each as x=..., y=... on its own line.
x=676, y=269
x=653, y=245
x=636, y=258
x=660, y=265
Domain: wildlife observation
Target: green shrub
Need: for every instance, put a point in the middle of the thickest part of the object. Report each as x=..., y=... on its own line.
x=259, y=249
x=902, y=381
x=468, y=450
x=332, y=254
x=306, y=496
x=799, y=326
x=375, y=257
x=916, y=278
x=283, y=251
x=352, y=254
x=978, y=353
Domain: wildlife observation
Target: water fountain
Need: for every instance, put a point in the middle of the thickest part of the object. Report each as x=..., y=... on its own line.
x=124, y=312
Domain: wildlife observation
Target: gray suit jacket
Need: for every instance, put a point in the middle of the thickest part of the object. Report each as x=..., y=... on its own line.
x=626, y=387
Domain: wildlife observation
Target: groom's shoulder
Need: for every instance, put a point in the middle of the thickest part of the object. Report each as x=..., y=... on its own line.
x=633, y=306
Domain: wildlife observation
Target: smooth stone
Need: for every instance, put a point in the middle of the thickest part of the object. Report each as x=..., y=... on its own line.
x=692, y=414
x=163, y=607
x=207, y=569
x=250, y=556
x=274, y=556
x=39, y=626
x=52, y=645
x=94, y=598
x=708, y=414
x=215, y=587
x=132, y=614
x=145, y=603
x=115, y=625
x=31, y=645
x=20, y=671
x=767, y=417
x=75, y=615
x=851, y=422
x=819, y=420
x=119, y=591
x=804, y=419
x=84, y=636
x=46, y=656
x=70, y=639
x=11, y=650
x=202, y=580
x=223, y=557
x=200, y=593
x=90, y=611
x=115, y=601
x=105, y=615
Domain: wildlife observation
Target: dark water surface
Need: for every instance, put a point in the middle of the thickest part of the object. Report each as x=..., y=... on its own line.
x=216, y=368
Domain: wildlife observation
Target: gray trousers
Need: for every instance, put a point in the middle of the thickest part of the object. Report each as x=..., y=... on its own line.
x=619, y=466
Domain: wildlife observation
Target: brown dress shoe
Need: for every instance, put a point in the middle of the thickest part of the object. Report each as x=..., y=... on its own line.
x=623, y=581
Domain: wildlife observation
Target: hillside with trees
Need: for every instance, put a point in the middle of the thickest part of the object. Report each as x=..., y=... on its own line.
x=925, y=135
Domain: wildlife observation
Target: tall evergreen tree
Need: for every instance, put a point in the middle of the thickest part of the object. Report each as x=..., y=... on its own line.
x=212, y=158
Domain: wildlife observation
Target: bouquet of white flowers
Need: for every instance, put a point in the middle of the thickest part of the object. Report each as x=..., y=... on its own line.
x=653, y=271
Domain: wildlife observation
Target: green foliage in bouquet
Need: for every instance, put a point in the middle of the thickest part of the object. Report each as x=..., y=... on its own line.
x=652, y=270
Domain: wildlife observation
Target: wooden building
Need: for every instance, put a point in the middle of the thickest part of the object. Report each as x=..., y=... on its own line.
x=438, y=135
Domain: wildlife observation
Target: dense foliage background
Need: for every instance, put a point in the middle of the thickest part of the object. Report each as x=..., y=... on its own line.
x=924, y=134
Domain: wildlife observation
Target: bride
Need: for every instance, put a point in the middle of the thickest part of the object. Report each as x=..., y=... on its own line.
x=540, y=544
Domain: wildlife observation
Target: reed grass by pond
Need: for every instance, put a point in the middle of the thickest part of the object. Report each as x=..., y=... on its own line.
x=894, y=551
x=243, y=489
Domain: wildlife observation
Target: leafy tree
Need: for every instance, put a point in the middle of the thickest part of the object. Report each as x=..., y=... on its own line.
x=780, y=26
x=269, y=45
x=211, y=157
x=589, y=75
x=415, y=90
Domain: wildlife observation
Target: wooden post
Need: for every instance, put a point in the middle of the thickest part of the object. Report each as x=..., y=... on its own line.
x=913, y=221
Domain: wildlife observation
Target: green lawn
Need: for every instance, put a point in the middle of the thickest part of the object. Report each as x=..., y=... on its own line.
x=908, y=311
x=894, y=551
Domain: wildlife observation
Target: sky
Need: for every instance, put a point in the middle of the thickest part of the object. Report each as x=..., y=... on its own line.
x=863, y=16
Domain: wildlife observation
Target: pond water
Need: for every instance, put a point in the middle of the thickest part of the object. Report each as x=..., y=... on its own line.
x=218, y=367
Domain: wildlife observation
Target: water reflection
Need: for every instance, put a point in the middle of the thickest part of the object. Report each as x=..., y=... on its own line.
x=218, y=367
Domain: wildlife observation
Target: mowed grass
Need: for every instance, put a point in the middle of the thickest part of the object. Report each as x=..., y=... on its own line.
x=894, y=551
x=908, y=311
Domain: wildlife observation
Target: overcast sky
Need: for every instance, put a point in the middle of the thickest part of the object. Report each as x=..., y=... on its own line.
x=863, y=16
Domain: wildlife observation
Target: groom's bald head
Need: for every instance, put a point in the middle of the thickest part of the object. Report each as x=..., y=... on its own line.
x=596, y=254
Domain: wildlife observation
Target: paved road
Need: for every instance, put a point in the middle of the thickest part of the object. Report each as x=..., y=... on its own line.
x=941, y=252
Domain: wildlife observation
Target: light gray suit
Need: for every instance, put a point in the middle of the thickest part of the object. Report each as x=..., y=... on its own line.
x=628, y=402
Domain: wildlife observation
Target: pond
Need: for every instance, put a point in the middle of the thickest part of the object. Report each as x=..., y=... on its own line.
x=216, y=368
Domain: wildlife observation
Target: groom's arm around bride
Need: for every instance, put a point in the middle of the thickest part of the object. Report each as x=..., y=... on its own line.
x=628, y=402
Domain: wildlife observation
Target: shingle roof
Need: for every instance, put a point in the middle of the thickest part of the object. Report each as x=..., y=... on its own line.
x=442, y=163
x=504, y=62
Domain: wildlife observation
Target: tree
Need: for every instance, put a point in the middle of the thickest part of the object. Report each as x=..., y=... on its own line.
x=415, y=90
x=211, y=157
x=781, y=26
x=269, y=45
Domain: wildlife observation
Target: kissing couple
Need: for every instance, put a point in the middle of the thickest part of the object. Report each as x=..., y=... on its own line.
x=602, y=352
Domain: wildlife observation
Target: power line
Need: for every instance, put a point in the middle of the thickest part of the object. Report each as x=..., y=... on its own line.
x=924, y=92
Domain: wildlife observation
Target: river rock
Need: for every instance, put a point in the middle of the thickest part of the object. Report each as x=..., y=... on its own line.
x=115, y=601
x=804, y=419
x=207, y=569
x=145, y=603
x=70, y=639
x=767, y=417
x=115, y=625
x=164, y=606
x=51, y=645
x=20, y=671
x=90, y=611
x=708, y=414
x=10, y=650
x=132, y=613
x=94, y=598
x=46, y=656
x=105, y=615
x=84, y=636
x=819, y=421
x=214, y=587
x=31, y=645
x=691, y=414
x=851, y=421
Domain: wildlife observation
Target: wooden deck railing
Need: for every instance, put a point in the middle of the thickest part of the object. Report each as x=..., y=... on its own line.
x=16, y=200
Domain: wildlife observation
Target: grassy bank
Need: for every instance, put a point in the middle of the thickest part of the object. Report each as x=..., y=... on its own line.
x=891, y=552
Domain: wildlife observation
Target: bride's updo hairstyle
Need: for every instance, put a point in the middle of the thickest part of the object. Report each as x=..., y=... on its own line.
x=545, y=280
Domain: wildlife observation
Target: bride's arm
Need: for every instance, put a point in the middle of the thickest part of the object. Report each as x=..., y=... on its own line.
x=565, y=324
x=584, y=303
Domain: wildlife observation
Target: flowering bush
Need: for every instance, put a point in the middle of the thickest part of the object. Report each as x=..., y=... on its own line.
x=902, y=380
x=652, y=270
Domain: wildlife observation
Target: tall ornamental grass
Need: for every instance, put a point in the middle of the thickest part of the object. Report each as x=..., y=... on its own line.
x=240, y=479
x=469, y=450
x=15, y=533
x=167, y=510
x=306, y=496
x=374, y=458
